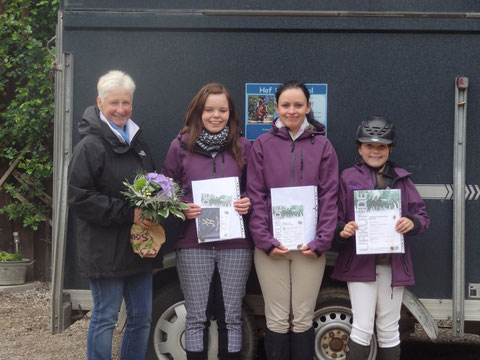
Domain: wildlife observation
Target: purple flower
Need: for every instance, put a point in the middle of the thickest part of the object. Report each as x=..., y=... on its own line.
x=168, y=188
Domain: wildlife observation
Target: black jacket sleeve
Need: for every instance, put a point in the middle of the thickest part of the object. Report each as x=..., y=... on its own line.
x=83, y=196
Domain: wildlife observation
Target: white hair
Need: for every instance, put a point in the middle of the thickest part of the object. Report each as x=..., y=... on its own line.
x=114, y=80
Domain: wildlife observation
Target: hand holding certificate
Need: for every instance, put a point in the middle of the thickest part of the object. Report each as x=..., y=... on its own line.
x=376, y=214
x=294, y=215
x=218, y=219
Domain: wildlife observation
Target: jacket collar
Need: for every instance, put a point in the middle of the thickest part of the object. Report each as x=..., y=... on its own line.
x=91, y=124
x=390, y=170
x=313, y=129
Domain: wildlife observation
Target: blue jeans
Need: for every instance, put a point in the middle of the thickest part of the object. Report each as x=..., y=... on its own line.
x=107, y=297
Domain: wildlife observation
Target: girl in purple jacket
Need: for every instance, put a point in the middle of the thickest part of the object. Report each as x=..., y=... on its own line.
x=376, y=282
x=210, y=146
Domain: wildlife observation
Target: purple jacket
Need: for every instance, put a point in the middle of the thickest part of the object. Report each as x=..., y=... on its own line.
x=184, y=167
x=277, y=161
x=353, y=267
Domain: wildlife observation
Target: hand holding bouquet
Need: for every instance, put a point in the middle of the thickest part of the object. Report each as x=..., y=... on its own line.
x=158, y=196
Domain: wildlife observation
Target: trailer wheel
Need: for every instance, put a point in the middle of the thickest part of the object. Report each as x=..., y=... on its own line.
x=167, y=334
x=333, y=322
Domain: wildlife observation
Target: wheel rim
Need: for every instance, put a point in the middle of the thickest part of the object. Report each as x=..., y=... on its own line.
x=332, y=329
x=169, y=334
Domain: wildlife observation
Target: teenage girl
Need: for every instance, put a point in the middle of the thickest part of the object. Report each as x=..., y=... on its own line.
x=212, y=275
x=376, y=282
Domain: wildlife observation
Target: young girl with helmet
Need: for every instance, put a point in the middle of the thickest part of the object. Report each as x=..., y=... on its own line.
x=376, y=282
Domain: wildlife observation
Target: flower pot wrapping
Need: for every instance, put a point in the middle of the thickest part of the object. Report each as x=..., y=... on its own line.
x=147, y=243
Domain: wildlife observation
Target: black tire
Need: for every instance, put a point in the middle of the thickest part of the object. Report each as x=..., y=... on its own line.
x=166, y=341
x=333, y=322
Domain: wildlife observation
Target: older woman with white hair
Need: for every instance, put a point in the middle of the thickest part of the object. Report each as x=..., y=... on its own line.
x=111, y=150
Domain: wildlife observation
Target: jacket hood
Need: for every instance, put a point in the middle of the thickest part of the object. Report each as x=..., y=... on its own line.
x=315, y=128
x=90, y=123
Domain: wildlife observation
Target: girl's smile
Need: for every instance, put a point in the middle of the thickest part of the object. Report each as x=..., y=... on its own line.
x=374, y=154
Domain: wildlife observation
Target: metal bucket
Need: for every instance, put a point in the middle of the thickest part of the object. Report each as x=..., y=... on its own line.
x=13, y=272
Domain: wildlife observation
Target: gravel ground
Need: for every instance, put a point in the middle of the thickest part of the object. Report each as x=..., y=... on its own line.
x=25, y=329
x=25, y=333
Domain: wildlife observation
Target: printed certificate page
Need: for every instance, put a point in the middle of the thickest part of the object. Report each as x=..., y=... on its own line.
x=376, y=213
x=218, y=220
x=294, y=215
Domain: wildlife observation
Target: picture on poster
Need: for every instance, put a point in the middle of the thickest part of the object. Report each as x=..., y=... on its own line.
x=261, y=109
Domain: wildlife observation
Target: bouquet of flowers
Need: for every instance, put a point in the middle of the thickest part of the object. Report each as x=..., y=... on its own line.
x=158, y=196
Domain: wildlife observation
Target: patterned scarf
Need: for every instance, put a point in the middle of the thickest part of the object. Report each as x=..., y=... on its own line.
x=213, y=142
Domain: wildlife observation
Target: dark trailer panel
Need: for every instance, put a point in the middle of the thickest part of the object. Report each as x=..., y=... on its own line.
x=386, y=58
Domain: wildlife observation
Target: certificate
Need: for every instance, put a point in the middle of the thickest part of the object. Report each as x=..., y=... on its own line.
x=218, y=220
x=376, y=214
x=294, y=215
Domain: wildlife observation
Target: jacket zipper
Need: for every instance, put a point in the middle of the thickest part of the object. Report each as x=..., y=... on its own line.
x=214, y=166
x=301, y=166
x=293, y=162
x=374, y=179
x=223, y=165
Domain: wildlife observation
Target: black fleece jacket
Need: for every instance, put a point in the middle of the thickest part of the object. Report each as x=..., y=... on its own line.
x=99, y=165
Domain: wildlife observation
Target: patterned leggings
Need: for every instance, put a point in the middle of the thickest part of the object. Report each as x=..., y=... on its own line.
x=213, y=283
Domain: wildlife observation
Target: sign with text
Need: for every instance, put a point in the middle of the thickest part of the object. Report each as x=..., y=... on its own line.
x=260, y=106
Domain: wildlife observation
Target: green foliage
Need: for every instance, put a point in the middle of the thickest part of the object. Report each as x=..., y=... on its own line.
x=4, y=256
x=27, y=103
x=157, y=195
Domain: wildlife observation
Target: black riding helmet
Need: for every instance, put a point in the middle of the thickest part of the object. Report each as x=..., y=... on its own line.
x=377, y=129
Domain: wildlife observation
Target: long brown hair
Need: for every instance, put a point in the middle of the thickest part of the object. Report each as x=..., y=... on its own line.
x=194, y=125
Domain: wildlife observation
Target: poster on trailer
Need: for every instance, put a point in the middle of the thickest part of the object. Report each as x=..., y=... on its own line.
x=260, y=106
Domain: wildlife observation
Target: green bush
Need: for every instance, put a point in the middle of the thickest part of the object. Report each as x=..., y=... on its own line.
x=27, y=104
x=4, y=256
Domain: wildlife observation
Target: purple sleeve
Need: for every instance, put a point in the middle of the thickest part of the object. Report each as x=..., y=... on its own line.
x=260, y=197
x=172, y=166
x=327, y=200
x=416, y=206
x=342, y=202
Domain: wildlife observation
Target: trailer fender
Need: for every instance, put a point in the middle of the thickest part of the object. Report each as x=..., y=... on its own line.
x=420, y=312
